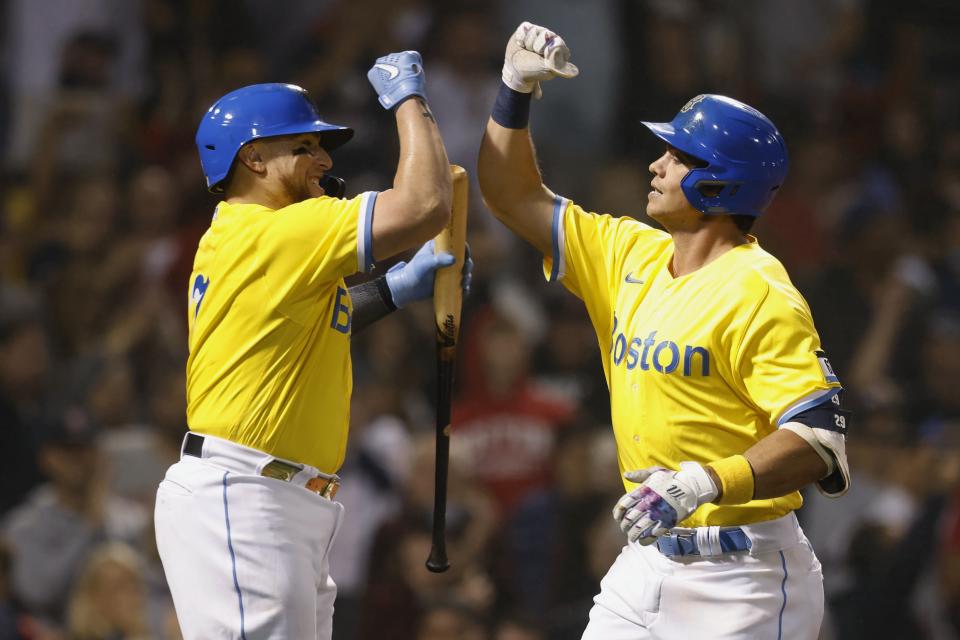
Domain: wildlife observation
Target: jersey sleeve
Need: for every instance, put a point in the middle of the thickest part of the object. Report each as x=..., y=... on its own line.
x=586, y=255
x=315, y=242
x=780, y=360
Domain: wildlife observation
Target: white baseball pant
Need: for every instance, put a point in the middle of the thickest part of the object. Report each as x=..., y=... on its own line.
x=774, y=591
x=246, y=556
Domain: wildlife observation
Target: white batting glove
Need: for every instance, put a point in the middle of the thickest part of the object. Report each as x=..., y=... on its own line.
x=535, y=53
x=663, y=499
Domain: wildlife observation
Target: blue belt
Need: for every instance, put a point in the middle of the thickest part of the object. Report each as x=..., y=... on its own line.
x=674, y=545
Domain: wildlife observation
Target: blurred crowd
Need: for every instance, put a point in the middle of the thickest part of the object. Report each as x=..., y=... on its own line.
x=103, y=202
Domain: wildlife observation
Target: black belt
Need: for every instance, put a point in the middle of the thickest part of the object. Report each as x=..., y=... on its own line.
x=193, y=445
x=276, y=469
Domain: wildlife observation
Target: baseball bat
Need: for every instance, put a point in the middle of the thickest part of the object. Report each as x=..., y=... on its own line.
x=447, y=298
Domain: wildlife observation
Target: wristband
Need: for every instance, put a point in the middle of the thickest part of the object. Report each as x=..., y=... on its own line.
x=385, y=294
x=512, y=108
x=736, y=479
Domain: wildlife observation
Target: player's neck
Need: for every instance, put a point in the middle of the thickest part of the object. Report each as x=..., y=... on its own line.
x=251, y=192
x=263, y=199
x=694, y=249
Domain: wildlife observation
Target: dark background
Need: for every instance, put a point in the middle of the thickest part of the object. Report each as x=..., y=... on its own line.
x=103, y=203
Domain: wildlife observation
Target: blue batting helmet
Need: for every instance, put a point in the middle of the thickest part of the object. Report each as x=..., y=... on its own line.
x=258, y=111
x=745, y=154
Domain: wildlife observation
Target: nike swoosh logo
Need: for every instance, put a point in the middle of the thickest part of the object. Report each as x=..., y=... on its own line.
x=389, y=68
x=631, y=279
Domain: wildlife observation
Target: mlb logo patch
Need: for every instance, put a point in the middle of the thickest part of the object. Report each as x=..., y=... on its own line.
x=826, y=367
x=692, y=103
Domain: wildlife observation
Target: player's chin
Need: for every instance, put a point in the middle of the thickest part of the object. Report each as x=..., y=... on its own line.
x=653, y=210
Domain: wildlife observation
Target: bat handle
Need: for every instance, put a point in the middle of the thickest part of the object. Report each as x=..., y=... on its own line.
x=437, y=562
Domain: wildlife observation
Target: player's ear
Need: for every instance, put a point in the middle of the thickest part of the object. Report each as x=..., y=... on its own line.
x=251, y=158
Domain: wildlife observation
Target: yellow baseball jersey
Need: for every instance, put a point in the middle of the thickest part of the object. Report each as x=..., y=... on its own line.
x=270, y=316
x=699, y=367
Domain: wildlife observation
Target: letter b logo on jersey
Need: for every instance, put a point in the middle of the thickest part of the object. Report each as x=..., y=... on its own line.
x=341, y=316
x=197, y=292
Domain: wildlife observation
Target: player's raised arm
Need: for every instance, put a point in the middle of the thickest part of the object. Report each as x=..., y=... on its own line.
x=418, y=205
x=507, y=169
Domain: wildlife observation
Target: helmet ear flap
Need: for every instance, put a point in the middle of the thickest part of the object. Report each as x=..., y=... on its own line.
x=710, y=195
x=707, y=193
x=700, y=187
x=713, y=188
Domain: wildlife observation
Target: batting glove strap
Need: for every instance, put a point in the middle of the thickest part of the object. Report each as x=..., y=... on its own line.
x=535, y=53
x=398, y=76
x=696, y=477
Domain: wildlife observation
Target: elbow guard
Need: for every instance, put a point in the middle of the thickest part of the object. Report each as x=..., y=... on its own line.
x=824, y=428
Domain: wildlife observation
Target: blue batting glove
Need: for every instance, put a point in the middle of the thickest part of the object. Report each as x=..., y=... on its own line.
x=397, y=76
x=409, y=282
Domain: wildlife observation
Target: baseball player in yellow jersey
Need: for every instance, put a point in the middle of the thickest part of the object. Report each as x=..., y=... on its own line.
x=723, y=403
x=246, y=518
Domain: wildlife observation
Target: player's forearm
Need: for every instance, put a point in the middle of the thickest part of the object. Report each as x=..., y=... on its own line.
x=422, y=181
x=507, y=169
x=512, y=186
x=782, y=463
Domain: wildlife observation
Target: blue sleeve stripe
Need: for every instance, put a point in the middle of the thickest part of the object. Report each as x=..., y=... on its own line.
x=807, y=402
x=557, y=235
x=233, y=556
x=365, y=232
